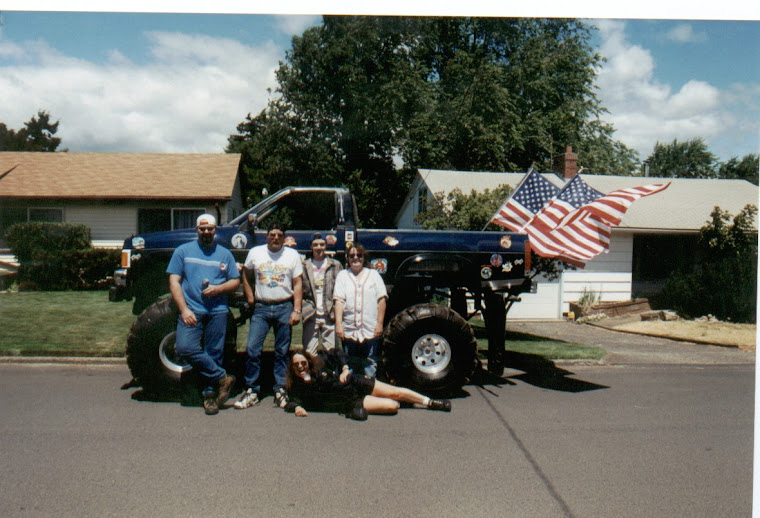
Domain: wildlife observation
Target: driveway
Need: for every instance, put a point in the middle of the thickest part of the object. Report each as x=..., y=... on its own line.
x=634, y=349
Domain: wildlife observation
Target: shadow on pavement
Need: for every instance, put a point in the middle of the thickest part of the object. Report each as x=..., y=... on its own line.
x=537, y=371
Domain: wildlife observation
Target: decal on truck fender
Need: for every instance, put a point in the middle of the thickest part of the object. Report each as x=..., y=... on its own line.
x=381, y=265
x=506, y=242
x=486, y=272
x=507, y=267
x=290, y=241
x=390, y=241
x=239, y=241
x=138, y=243
x=496, y=260
x=349, y=236
x=331, y=239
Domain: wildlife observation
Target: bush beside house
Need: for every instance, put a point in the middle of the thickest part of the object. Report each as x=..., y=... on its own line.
x=59, y=256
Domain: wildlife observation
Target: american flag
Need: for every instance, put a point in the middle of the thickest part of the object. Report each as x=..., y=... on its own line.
x=612, y=207
x=533, y=192
x=575, y=242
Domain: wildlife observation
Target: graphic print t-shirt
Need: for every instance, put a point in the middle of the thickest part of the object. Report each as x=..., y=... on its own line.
x=274, y=272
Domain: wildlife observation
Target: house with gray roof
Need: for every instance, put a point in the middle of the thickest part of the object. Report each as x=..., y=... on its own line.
x=657, y=234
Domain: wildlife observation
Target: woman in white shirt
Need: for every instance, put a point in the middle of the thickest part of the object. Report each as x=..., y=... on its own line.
x=360, y=299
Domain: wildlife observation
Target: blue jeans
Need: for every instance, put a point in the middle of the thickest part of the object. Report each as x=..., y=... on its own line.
x=276, y=316
x=362, y=354
x=202, y=346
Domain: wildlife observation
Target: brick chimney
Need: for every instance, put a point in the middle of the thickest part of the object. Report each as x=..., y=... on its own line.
x=566, y=164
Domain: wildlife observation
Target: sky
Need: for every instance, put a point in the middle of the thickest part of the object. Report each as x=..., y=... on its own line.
x=181, y=82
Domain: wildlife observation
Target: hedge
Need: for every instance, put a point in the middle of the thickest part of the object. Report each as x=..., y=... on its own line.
x=69, y=270
x=25, y=238
x=59, y=256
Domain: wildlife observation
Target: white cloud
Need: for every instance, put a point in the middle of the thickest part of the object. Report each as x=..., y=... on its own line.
x=645, y=110
x=684, y=33
x=188, y=98
x=295, y=24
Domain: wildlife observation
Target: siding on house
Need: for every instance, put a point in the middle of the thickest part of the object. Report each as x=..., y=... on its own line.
x=106, y=223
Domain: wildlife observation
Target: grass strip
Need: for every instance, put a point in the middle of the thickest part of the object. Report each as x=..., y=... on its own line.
x=85, y=323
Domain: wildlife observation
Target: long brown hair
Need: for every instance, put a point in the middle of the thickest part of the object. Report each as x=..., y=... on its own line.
x=290, y=377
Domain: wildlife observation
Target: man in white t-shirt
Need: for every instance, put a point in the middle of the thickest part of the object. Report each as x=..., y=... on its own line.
x=318, y=284
x=273, y=287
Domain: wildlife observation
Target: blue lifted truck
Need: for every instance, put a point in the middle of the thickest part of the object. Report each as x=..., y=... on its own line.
x=430, y=276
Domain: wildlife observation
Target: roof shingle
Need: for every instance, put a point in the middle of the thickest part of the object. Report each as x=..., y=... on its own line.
x=117, y=175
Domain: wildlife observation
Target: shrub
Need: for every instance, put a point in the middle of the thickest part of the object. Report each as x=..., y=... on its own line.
x=26, y=238
x=70, y=270
x=723, y=281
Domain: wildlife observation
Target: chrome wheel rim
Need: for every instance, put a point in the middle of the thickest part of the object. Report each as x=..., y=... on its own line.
x=431, y=353
x=173, y=365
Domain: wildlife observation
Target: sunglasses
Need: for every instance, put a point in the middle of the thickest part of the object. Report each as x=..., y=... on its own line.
x=355, y=255
x=298, y=364
x=206, y=229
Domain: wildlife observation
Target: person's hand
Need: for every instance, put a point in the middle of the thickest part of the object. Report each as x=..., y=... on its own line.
x=295, y=318
x=339, y=331
x=188, y=318
x=378, y=330
x=344, y=375
x=212, y=290
x=301, y=411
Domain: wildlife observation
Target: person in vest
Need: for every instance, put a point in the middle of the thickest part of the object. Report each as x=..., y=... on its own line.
x=319, y=277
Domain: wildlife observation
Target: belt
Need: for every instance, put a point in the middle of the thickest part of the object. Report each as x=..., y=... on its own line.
x=272, y=303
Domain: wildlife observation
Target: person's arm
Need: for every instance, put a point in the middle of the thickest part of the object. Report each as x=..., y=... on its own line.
x=295, y=316
x=248, y=285
x=340, y=332
x=380, y=317
x=218, y=289
x=175, y=288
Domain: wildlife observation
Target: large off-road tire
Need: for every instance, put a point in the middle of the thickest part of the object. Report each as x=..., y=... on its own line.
x=151, y=355
x=429, y=348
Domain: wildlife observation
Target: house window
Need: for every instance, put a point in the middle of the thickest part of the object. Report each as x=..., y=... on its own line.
x=185, y=218
x=422, y=200
x=13, y=215
x=45, y=214
x=159, y=220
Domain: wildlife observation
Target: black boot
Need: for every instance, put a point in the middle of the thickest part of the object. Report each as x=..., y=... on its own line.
x=440, y=404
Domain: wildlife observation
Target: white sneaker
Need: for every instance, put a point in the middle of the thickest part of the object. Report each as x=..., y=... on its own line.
x=281, y=398
x=247, y=399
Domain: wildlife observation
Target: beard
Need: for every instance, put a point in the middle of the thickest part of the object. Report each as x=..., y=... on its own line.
x=207, y=239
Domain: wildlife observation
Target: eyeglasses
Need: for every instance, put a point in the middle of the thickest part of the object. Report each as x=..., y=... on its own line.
x=298, y=364
x=206, y=229
x=352, y=256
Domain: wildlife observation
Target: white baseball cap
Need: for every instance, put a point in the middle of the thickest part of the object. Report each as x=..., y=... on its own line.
x=205, y=219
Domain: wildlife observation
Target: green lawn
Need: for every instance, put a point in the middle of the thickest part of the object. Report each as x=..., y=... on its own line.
x=85, y=323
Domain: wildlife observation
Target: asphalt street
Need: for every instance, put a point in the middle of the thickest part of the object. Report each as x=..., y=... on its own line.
x=568, y=439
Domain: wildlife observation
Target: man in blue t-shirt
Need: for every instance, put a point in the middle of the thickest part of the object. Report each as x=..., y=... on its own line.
x=201, y=273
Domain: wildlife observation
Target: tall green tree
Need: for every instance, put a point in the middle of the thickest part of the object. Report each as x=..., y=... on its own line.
x=37, y=135
x=682, y=159
x=746, y=169
x=357, y=96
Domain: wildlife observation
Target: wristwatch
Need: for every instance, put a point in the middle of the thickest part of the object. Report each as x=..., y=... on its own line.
x=297, y=311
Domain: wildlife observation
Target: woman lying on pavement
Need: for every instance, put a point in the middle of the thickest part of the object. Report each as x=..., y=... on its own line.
x=325, y=383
